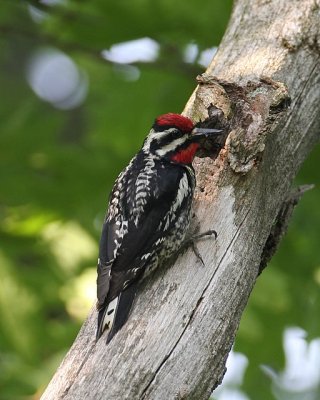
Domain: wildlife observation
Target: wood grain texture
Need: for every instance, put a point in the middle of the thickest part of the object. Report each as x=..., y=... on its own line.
x=177, y=339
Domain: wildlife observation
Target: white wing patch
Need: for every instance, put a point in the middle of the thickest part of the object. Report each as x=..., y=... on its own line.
x=142, y=189
x=120, y=232
x=117, y=195
x=182, y=193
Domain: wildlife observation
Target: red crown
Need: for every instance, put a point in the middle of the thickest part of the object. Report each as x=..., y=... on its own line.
x=184, y=124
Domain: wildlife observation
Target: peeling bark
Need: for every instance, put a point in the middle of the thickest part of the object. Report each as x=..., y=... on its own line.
x=265, y=78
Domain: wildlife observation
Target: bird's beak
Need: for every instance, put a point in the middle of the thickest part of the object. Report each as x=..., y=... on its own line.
x=205, y=132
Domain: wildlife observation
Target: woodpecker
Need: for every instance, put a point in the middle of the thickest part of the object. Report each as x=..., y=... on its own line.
x=148, y=215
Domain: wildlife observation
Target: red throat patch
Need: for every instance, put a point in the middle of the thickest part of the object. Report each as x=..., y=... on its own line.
x=186, y=156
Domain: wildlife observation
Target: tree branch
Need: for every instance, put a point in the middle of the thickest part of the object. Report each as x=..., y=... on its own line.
x=177, y=339
x=281, y=224
x=171, y=63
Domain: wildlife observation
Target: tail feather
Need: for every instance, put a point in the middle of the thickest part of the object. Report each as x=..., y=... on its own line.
x=106, y=317
x=115, y=314
x=124, y=306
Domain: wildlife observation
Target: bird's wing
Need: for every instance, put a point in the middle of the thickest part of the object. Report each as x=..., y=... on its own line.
x=109, y=245
x=122, y=260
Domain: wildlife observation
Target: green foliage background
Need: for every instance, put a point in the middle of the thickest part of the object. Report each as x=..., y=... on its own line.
x=57, y=168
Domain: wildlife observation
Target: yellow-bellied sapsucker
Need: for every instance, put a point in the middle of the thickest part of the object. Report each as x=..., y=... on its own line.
x=148, y=215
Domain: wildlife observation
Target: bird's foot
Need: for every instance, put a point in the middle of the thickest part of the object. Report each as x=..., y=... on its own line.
x=191, y=241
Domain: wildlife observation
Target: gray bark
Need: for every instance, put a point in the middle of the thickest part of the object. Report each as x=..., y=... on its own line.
x=177, y=339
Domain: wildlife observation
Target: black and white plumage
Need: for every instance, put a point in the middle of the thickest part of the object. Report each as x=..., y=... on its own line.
x=148, y=216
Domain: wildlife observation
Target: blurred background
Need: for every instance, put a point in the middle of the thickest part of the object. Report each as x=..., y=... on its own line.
x=81, y=83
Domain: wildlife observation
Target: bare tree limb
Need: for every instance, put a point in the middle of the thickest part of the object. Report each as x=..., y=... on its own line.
x=175, y=344
x=281, y=224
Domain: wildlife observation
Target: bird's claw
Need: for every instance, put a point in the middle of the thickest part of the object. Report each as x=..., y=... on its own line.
x=193, y=239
